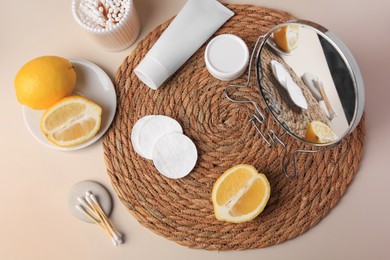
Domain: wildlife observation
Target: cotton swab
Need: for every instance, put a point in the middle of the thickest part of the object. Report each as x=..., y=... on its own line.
x=85, y=204
x=92, y=201
x=113, y=238
x=318, y=83
x=99, y=217
x=106, y=219
x=102, y=13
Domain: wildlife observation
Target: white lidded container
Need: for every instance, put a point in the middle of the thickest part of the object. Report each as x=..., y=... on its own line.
x=118, y=36
x=226, y=57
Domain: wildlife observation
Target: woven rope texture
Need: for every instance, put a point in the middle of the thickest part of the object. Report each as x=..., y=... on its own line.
x=181, y=210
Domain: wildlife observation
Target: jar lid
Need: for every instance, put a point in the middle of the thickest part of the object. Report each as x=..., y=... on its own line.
x=226, y=57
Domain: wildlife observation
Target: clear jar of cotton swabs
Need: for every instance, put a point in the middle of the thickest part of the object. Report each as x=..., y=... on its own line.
x=114, y=24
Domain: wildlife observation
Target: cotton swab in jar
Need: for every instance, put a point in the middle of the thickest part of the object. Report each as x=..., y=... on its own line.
x=102, y=13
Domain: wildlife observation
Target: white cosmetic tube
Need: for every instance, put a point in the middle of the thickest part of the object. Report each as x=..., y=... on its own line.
x=191, y=28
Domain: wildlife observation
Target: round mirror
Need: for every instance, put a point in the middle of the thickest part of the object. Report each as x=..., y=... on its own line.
x=310, y=82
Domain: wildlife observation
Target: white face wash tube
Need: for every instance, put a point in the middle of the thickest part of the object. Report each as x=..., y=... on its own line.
x=191, y=28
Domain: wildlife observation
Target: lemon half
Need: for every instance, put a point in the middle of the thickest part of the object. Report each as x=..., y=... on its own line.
x=286, y=37
x=240, y=194
x=318, y=132
x=72, y=120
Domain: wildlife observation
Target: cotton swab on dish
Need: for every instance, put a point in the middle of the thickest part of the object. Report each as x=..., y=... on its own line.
x=98, y=216
x=82, y=210
x=97, y=207
x=98, y=211
x=103, y=223
x=92, y=200
x=318, y=83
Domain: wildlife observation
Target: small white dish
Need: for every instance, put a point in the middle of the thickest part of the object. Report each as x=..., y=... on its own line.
x=92, y=83
x=79, y=190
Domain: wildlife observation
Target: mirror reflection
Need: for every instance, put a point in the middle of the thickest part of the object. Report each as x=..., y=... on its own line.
x=306, y=84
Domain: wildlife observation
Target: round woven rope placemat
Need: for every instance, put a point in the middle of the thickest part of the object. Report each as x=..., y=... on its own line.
x=181, y=210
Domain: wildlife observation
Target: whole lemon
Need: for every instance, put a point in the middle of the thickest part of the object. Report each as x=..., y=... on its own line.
x=44, y=80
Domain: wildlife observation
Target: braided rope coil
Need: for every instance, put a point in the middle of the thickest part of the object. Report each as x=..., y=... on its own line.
x=181, y=210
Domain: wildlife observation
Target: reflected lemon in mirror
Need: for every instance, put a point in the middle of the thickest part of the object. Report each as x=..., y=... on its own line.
x=286, y=37
x=72, y=120
x=240, y=194
x=43, y=81
x=318, y=132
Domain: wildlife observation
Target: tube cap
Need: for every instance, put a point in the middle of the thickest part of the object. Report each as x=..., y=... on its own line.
x=151, y=72
x=226, y=57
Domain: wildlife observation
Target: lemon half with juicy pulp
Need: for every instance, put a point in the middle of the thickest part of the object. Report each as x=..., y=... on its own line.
x=72, y=120
x=286, y=37
x=240, y=194
x=318, y=132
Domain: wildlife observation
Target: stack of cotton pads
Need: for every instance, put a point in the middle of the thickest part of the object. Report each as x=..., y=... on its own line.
x=161, y=139
x=285, y=80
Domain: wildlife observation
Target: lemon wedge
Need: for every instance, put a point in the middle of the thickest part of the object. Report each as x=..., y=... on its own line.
x=286, y=37
x=72, y=120
x=240, y=194
x=318, y=132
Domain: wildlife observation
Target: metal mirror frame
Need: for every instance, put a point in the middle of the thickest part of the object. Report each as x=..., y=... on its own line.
x=346, y=56
x=258, y=118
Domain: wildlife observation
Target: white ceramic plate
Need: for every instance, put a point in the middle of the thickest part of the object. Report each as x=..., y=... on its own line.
x=92, y=83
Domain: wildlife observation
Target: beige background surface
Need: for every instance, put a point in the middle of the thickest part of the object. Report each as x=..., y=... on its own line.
x=35, y=223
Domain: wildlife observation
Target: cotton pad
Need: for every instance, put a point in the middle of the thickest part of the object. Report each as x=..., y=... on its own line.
x=295, y=93
x=279, y=72
x=285, y=80
x=152, y=130
x=174, y=155
x=135, y=133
